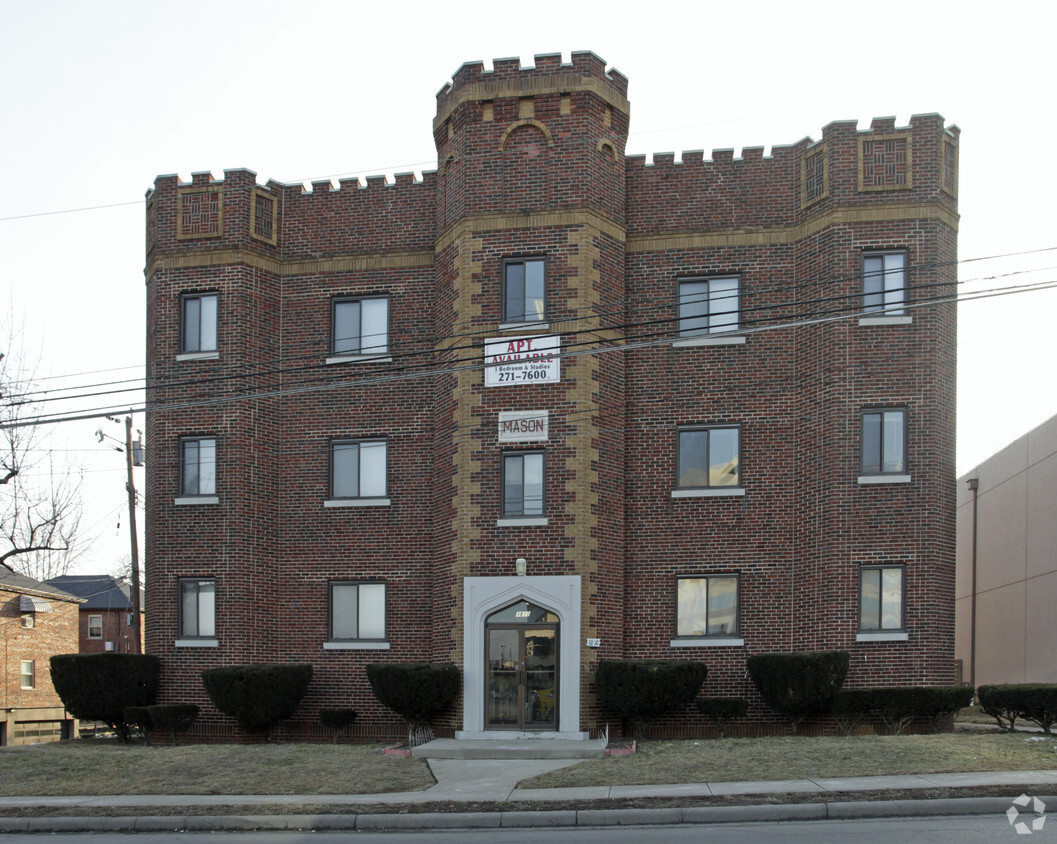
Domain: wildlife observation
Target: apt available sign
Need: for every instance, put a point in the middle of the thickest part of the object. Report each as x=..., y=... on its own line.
x=522, y=360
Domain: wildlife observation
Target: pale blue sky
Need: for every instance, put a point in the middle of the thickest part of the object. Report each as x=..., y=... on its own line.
x=100, y=97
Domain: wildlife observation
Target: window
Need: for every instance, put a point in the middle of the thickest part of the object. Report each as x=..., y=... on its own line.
x=199, y=466
x=358, y=469
x=884, y=276
x=884, y=442
x=199, y=324
x=708, y=306
x=198, y=600
x=29, y=620
x=29, y=674
x=95, y=627
x=523, y=290
x=709, y=457
x=707, y=606
x=523, y=484
x=357, y=611
x=881, y=599
x=360, y=326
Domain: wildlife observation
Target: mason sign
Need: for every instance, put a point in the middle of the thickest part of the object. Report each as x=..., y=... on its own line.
x=524, y=426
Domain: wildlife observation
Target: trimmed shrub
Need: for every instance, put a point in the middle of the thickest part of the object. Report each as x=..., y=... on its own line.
x=849, y=708
x=258, y=696
x=898, y=706
x=416, y=691
x=175, y=719
x=799, y=684
x=944, y=700
x=1035, y=702
x=641, y=689
x=720, y=710
x=139, y=717
x=337, y=721
x=99, y=687
x=1000, y=702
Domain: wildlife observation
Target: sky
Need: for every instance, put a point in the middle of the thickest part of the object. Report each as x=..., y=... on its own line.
x=100, y=97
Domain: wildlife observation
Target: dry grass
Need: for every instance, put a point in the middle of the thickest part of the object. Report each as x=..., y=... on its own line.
x=105, y=767
x=795, y=757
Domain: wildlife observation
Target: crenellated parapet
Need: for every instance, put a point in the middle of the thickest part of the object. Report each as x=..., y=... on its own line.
x=289, y=221
x=886, y=164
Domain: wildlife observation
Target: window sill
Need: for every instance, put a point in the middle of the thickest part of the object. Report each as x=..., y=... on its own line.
x=882, y=637
x=355, y=646
x=527, y=521
x=198, y=356
x=381, y=358
x=884, y=479
x=714, y=492
x=708, y=642
x=523, y=326
x=357, y=502
x=196, y=643
x=710, y=340
x=886, y=320
x=187, y=500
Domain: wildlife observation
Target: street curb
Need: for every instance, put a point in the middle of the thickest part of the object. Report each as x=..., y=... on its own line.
x=521, y=819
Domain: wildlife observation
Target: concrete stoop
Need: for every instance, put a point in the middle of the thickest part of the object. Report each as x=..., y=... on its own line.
x=529, y=748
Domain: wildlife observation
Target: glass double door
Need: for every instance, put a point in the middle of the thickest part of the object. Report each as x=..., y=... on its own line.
x=521, y=692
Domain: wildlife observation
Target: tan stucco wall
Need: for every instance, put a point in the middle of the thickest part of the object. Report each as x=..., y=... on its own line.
x=1016, y=534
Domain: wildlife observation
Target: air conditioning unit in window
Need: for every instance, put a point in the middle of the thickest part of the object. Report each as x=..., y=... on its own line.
x=27, y=619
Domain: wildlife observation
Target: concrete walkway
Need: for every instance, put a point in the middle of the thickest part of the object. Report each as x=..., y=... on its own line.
x=496, y=780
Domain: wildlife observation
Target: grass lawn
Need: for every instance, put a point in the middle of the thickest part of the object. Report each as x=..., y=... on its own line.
x=94, y=766
x=99, y=766
x=794, y=757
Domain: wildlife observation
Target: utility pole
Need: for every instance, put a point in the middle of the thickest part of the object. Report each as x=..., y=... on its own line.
x=131, y=486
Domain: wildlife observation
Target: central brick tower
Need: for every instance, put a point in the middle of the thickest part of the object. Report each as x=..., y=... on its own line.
x=531, y=176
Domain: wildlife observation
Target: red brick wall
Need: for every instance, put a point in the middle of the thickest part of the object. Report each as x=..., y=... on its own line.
x=53, y=633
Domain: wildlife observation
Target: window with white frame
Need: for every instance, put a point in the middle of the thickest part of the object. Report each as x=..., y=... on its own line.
x=709, y=456
x=198, y=466
x=360, y=326
x=522, y=484
x=708, y=306
x=358, y=469
x=95, y=627
x=357, y=611
x=198, y=608
x=884, y=442
x=707, y=606
x=881, y=599
x=884, y=277
x=524, y=289
x=199, y=330
x=29, y=674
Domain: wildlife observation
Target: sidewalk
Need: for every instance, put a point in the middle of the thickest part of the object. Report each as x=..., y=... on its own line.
x=466, y=781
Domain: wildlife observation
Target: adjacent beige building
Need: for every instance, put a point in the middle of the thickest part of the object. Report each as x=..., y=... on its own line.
x=1008, y=526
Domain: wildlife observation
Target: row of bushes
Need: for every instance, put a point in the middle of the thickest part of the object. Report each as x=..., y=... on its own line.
x=120, y=690
x=798, y=685
x=1035, y=702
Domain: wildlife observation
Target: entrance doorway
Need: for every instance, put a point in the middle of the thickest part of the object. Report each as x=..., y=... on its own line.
x=521, y=668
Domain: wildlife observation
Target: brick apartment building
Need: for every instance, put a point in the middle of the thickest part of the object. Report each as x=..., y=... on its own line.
x=717, y=415
x=105, y=613
x=37, y=621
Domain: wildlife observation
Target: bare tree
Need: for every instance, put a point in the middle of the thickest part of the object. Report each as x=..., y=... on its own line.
x=40, y=503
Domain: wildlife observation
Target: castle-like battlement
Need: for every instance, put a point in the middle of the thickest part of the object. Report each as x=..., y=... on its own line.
x=583, y=63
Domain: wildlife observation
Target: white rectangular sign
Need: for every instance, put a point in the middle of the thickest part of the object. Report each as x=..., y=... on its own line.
x=524, y=426
x=522, y=360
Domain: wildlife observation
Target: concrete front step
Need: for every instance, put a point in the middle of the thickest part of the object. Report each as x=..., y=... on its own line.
x=510, y=749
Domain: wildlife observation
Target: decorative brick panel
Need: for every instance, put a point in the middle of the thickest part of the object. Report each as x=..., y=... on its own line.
x=200, y=213
x=885, y=162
